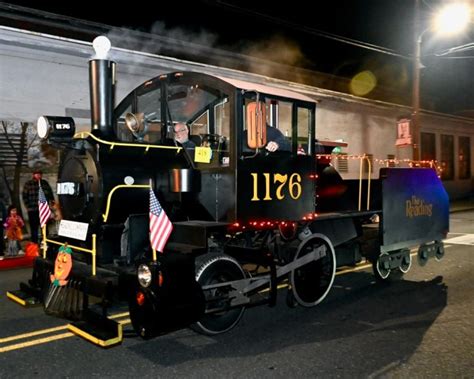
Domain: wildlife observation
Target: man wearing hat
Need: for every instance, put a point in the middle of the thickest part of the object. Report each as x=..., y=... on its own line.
x=30, y=198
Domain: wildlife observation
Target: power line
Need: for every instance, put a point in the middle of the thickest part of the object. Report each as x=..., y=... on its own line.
x=316, y=32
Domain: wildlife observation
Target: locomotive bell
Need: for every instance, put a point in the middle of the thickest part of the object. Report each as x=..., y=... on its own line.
x=136, y=124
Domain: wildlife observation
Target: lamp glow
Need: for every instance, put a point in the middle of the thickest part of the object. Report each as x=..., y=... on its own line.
x=42, y=127
x=101, y=46
x=453, y=18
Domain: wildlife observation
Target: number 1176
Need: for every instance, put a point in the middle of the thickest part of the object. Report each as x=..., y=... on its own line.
x=276, y=186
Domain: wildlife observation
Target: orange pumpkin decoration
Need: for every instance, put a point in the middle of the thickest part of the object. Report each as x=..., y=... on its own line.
x=62, y=266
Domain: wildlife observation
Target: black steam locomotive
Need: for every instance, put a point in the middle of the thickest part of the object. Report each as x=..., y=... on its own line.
x=244, y=219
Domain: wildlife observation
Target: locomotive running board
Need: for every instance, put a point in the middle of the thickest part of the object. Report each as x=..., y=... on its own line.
x=26, y=296
x=24, y=299
x=97, y=329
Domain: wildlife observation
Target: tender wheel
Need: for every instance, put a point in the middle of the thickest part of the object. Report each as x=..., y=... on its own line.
x=382, y=270
x=422, y=255
x=211, y=269
x=311, y=283
x=406, y=262
x=439, y=253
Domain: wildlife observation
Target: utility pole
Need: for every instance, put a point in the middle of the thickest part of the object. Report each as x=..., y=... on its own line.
x=417, y=36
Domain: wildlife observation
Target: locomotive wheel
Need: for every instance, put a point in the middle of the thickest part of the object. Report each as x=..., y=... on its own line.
x=311, y=283
x=215, y=268
x=422, y=255
x=439, y=253
x=383, y=273
x=406, y=262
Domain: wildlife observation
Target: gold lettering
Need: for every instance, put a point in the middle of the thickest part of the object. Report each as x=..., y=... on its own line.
x=416, y=207
x=281, y=182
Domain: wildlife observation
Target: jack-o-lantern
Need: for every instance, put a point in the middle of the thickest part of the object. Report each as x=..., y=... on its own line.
x=62, y=266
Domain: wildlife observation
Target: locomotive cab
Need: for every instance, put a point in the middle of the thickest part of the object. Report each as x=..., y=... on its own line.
x=235, y=179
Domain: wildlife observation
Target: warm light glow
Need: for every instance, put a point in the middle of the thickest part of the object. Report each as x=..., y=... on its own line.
x=101, y=47
x=453, y=18
x=42, y=127
x=363, y=83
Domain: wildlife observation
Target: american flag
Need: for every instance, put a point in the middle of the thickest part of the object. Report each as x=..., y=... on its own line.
x=44, y=211
x=160, y=224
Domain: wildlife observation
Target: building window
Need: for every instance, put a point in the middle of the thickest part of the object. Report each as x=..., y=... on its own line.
x=464, y=157
x=390, y=160
x=447, y=157
x=428, y=147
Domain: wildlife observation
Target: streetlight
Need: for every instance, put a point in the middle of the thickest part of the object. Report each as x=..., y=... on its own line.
x=449, y=20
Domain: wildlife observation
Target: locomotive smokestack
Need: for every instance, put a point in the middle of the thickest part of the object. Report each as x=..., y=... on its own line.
x=102, y=88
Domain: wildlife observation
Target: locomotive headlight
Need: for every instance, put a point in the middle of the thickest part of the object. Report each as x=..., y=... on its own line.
x=42, y=127
x=144, y=275
x=55, y=128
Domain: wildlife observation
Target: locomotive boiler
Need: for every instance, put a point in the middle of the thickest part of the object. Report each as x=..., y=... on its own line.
x=244, y=219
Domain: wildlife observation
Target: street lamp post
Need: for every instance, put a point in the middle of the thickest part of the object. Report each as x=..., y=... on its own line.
x=450, y=20
x=416, y=84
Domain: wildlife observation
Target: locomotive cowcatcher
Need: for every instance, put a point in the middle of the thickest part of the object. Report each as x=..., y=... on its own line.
x=244, y=220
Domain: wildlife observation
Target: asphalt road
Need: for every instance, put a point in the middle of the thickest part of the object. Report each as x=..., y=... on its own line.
x=422, y=326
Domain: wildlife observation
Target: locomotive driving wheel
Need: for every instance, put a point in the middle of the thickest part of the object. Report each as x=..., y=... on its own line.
x=311, y=282
x=216, y=268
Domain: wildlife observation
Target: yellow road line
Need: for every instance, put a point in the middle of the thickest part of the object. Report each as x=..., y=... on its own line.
x=44, y=340
x=50, y=330
x=35, y=342
x=118, y=315
x=32, y=334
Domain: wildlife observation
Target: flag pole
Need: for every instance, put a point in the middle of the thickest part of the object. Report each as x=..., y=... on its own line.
x=44, y=246
x=154, y=250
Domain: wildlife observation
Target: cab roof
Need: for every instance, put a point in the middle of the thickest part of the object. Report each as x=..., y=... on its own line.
x=250, y=86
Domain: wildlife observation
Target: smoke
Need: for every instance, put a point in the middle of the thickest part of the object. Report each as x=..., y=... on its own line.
x=200, y=38
x=162, y=40
x=274, y=56
x=276, y=49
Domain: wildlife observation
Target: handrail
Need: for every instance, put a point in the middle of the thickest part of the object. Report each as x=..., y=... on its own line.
x=92, y=251
x=369, y=169
x=369, y=178
x=82, y=135
x=109, y=200
x=109, y=197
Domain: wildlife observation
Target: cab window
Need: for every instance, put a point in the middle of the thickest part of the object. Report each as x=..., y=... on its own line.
x=303, y=129
x=278, y=115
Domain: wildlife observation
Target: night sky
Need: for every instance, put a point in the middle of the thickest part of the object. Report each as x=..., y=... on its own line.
x=292, y=33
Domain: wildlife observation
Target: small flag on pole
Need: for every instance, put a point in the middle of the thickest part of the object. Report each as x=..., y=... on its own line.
x=44, y=211
x=160, y=225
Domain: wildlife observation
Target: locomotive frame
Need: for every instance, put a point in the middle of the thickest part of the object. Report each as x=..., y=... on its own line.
x=244, y=220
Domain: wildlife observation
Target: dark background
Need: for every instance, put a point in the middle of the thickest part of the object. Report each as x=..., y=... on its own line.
x=326, y=36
